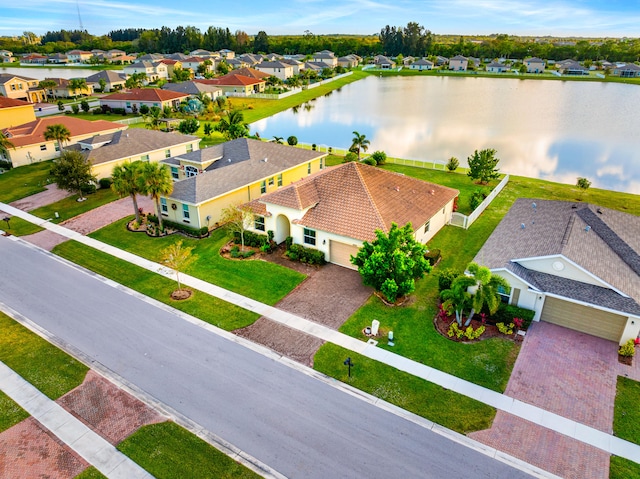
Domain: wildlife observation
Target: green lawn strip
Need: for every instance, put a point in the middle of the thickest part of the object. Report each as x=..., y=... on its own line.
x=626, y=413
x=168, y=451
x=10, y=412
x=433, y=402
x=259, y=280
x=27, y=180
x=621, y=468
x=69, y=207
x=20, y=227
x=45, y=366
x=207, y=308
x=102, y=116
x=90, y=473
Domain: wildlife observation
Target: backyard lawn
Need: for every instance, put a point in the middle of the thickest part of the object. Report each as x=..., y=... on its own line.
x=27, y=180
x=626, y=425
x=209, y=309
x=260, y=280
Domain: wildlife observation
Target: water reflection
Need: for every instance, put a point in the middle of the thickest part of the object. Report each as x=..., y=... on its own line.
x=545, y=129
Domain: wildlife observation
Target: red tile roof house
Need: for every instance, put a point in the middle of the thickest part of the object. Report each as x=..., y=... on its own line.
x=337, y=209
x=136, y=97
x=575, y=264
x=31, y=147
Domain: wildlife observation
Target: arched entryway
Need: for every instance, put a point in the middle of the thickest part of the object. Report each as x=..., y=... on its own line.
x=283, y=229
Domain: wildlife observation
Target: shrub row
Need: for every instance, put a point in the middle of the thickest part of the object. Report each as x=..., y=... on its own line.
x=188, y=230
x=297, y=252
x=506, y=313
x=256, y=240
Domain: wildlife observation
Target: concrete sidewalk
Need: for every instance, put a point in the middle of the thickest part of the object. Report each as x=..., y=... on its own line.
x=90, y=446
x=502, y=402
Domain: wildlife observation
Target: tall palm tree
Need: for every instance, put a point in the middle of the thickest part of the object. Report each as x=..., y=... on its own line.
x=126, y=181
x=486, y=294
x=5, y=144
x=76, y=84
x=156, y=181
x=58, y=133
x=360, y=142
x=233, y=126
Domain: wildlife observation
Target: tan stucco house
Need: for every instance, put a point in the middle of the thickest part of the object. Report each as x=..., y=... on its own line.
x=230, y=174
x=15, y=112
x=339, y=208
x=576, y=265
x=21, y=88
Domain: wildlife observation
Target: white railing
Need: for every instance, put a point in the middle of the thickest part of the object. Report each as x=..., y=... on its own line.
x=130, y=121
x=464, y=221
x=432, y=165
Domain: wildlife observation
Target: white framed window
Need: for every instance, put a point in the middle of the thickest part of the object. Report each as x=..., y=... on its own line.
x=167, y=153
x=174, y=173
x=189, y=147
x=145, y=158
x=263, y=187
x=321, y=163
x=271, y=181
x=43, y=147
x=309, y=236
x=190, y=171
x=163, y=205
x=185, y=213
x=504, y=296
x=427, y=226
x=309, y=169
x=280, y=179
x=258, y=223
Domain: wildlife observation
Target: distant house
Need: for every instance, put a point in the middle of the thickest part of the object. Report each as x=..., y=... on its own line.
x=421, y=65
x=534, y=65
x=249, y=58
x=113, y=80
x=6, y=56
x=440, y=60
x=573, y=68
x=34, y=58
x=106, y=151
x=153, y=70
x=78, y=56
x=194, y=89
x=458, y=63
x=31, y=146
x=325, y=56
x=227, y=54
x=58, y=59
x=630, y=70
x=232, y=173
x=136, y=97
x=295, y=64
x=349, y=61
x=385, y=63
x=497, y=67
x=22, y=88
x=63, y=89
x=15, y=112
x=193, y=63
x=277, y=69
x=575, y=264
x=234, y=84
x=312, y=211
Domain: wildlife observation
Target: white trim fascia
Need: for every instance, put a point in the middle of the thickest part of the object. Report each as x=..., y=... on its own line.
x=496, y=270
x=573, y=263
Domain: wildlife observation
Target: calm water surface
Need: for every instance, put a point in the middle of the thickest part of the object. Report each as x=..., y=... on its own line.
x=41, y=73
x=544, y=129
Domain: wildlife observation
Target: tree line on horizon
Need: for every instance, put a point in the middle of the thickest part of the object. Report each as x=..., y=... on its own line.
x=414, y=40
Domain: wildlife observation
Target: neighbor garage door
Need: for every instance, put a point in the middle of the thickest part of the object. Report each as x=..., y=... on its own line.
x=582, y=318
x=340, y=253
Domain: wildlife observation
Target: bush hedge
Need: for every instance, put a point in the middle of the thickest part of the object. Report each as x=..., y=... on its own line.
x=298, y=252
x=433, y=256
x=88, y=189
x=254, y=240
x=446, y=277
x=188, y=230
x=506, y=313
x=105, y=182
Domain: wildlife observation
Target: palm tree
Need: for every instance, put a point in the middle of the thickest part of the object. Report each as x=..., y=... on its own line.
x=5, y=144
x=360, y=142
x=153, y=118
x=458, y=297
x=155, y=181
x=278, y=139
x=486, y=294
x=233, y=126
x=126, y=181
x=57, y=132
x=76, y=84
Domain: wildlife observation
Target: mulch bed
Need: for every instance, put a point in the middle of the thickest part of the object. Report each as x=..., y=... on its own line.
x=225, y=251
x=491, y=331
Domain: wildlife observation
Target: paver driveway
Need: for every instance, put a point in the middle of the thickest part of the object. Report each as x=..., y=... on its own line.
x=569, y=373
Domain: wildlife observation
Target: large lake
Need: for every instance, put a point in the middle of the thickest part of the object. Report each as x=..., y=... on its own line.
x=43, y=72
x=555, y=130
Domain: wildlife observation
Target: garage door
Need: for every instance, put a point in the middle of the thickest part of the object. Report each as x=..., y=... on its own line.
x=582, y=318
x=340, y=253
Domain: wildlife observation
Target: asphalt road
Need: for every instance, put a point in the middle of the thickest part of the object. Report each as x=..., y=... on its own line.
x=298, y=425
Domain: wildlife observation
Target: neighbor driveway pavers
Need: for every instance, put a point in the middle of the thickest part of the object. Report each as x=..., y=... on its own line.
x=51, y=194
x=569, y=373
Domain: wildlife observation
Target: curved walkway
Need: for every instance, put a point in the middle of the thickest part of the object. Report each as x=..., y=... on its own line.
x=502, y=402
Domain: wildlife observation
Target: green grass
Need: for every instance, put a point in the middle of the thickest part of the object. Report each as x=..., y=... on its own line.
x=20, y=227
x=440, y=405
x=259, y=280
x=49, y=369
x=90, y=473
x=209, y=309
x=102, y=116
x=27, y=180
x=168, y=451
x=68, y=207
x=626, y=425
x=10, y=413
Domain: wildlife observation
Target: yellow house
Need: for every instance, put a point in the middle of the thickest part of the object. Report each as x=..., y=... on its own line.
x=108, y=150
x=31, y=146
x=15, y=112
x=63, y=89
x=232, y=173
x=21, y=88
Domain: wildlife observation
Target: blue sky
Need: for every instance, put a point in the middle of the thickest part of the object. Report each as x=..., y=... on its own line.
x=616, y=18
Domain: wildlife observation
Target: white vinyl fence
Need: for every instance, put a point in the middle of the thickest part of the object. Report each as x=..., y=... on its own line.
x=464, y=221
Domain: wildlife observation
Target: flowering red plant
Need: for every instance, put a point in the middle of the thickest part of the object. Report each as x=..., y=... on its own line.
x=518, y=322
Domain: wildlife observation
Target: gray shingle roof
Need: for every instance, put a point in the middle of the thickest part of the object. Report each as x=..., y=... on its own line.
x=108, y=75
x=190, y=87
x=602, y=241
x=247, y=166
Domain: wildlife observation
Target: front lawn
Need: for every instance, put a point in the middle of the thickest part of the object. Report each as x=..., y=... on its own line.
x=10, y=413
x=90, y=473
x=24, y=181
x=20, y=227
x=433, y=402
x=45, y=366
x=259, y=280
x=69, y=207
x=207, y=308
x=168, y=451
x=626, y=425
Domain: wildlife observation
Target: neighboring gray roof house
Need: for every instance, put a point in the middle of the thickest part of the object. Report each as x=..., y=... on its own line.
x=150, y=57
x=109, y=76
x=572, y=67
x=177, y=56
x=234, y=164
x=130, y=144
x=582, y=254
x=628, y=70
x=193, y=88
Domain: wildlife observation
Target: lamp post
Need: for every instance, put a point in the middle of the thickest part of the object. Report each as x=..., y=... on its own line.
x=348, y=363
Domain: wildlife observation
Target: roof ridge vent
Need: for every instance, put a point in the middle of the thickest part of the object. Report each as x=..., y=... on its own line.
x=567, y=230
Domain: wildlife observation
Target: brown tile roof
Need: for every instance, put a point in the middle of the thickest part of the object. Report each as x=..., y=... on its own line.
x=251, y=73
x=33, y=132
x=355, y=200
x=10, y=102
x=146, y=94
